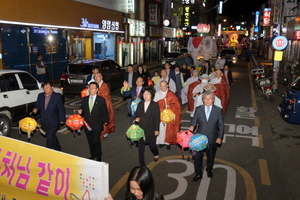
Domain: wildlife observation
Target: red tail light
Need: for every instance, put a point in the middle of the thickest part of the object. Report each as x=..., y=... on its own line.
x=268, y=87
x=257, y=75
x=292, y=101
x=63, y=77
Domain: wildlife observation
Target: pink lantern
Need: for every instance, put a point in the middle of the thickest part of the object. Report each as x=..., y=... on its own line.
x=203, y=28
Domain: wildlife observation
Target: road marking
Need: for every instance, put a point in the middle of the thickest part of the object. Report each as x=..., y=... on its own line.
x=249, y=183
x=261, y=144
x=62, y=129
x=264, y=172
x=117, y=187
x=256, y=121
x=120, y=104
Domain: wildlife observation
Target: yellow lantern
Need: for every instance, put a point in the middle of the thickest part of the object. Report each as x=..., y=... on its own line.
x=167, y=116
x=28, y=125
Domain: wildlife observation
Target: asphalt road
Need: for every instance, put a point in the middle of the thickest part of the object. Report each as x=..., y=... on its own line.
x=258, y=159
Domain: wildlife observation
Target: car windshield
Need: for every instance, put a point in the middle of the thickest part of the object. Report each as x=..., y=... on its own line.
x=228, y=51
x=172, y=55
x=80, y=69
x=296, y=84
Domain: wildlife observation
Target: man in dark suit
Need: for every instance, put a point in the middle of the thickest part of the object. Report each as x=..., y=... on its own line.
x=209, y=121
x=52, y=112
x=133, y=93
x=130, y=76
x=170, y=72
x=91, y=77
x=94, y=111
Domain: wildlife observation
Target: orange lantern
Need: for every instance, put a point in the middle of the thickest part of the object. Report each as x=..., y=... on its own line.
x=27, y=125
x=84, y=92
x=167, y=116
x=75, y=122
x=150, y=82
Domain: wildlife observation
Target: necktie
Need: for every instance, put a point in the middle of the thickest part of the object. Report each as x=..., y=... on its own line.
x=207, y=112
x=91, y=103
x=137, y=92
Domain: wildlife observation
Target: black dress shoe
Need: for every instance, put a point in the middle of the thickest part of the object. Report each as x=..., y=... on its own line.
x=156, y=159
x=168, y=147
x=92, y=158
x=209, y=174
x=161, y=145
x=99, y=159
x=196, y=178
x=128, y=115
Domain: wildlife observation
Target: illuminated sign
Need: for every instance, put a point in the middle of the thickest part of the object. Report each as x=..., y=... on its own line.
x=43, y=31
x=186, y=16
x=136, y=27
x=85, y=24
x=153, y=14
x=256, y=18
x=220, y=8
x=267, y=17
x=279, y=43
x=187, y=2
x=129, y=6
x=256, y=29
x=278, y=55
x=297, y=35
x=110, y=25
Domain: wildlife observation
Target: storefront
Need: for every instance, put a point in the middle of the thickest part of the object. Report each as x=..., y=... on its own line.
x=133, y=49
x=170, y=39
x=155, y=43
x=60, y=36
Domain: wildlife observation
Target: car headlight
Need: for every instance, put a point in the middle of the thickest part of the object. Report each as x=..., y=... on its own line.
x=163, y=62
x=233, y=58
x=173, y=62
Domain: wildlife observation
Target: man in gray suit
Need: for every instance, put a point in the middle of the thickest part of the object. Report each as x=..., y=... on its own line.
x=208, y=120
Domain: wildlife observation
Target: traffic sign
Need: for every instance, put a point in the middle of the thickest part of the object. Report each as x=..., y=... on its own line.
x=279, y=43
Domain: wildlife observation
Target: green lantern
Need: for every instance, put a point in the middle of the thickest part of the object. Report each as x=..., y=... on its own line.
x=135, y=133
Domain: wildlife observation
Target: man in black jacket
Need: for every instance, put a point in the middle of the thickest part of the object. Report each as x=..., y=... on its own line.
x=94, y=111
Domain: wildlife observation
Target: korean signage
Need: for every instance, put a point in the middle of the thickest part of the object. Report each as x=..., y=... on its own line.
x=110, y=25
x=167, y=9
x=105, y=24
x=290, y=7
x=278, y=55
x=266, y=17
x=153, y=14
x=169, y=32
x=297, y=35
x=136, y=28
x=276, y=14
x=186, y=16
x=129, y=6
x=187, y=2
x=29, y=171
x=279, y=43
x=220, y=7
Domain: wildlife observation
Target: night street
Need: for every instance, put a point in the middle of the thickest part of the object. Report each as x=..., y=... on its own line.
x=257, y=160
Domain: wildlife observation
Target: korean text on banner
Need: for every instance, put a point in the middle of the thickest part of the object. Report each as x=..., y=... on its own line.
x=29, y=171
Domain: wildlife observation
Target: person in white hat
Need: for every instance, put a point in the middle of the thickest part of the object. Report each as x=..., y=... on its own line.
x=199, y=88
x=198, y=99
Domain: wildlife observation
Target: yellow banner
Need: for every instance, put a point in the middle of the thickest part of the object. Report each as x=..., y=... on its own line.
x=29, y=171
x=278, y=55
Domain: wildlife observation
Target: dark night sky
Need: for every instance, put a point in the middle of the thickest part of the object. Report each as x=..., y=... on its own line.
x=236, y=8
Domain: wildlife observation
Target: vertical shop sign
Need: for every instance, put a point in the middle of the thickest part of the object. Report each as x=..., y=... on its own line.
x=153, y=14
x=129, y=6
x=186, y=16
x=167, y=10
x=267, y=17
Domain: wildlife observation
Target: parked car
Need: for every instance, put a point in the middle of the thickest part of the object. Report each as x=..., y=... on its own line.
x=289, y=107
x=230, y=55
x=184, y=51
x=171, y=57
x=74, y=76
x=18, y=94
